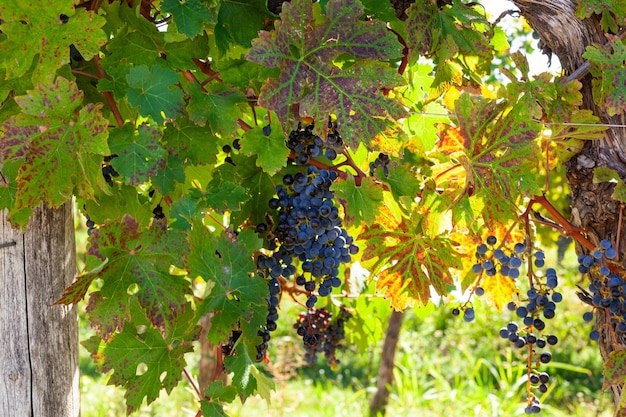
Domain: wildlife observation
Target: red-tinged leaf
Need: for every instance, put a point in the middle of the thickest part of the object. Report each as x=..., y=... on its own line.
x=61, y=150
x=612, y=12
x=609, y=82
x=305, y=48
x=408, y=262
x=78, y=289
x=615, y=369
x=496, y=146
x=138, y=267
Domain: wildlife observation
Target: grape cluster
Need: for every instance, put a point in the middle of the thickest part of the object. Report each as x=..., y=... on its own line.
x=533, y=308
x=381, y=161
x=309, y=229
x=608, y=289
x=265, y=266
x=492, y=260
x=108, y=172
x=90, y=225
x=305, y=145
x=319, y=334
x=227, y=349
x=304, y=233
x=539, y=305
x=228, y=150
x=270, y=323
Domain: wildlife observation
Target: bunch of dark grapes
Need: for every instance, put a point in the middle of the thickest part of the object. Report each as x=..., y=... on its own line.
x=90, y=225
x=309, y=230
x=227, y=349
x=381, y=161
x=320, y=335
x=307, y=241
x=538, y=305
x=108, y=172
x=270, y=268
x=608, y=290
x=491, y=260
x=305, y=145
x=236, y=145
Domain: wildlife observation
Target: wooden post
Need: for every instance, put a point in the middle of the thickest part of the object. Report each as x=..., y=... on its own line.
x=39, y=373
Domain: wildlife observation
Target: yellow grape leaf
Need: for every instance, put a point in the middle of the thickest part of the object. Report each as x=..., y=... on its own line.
x=408, y=262
x=394, y=287
x=498, y=289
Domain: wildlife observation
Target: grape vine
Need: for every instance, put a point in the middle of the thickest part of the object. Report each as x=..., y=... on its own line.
x=232, y=171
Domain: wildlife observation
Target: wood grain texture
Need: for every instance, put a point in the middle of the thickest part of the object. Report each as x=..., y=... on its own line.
x=38, y=341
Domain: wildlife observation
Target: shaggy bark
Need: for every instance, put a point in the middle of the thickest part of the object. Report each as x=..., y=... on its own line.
x=563, y=34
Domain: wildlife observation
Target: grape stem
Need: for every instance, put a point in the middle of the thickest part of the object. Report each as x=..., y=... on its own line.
x=192, y=382
x=107, y=94
x=568, y=228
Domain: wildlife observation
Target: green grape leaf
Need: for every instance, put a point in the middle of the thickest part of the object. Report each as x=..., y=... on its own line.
x=150, y=89
x=171, y=173
x=317, y=77
x=57, y=146
x=191, y=142
x=217, y=107
x=245, y=74
x=264, y=385
x=227, y=196
x=408, y=263
x=402, y=182
x=216, y=394
x=270, y=151
x=259, y=185
x=241, y=365
x=35, y=31
x=118, y=201
x=184, y=211
x=138, y=267
x=188, y=15
x=141, y=43
x=143, y=361
x=362, y=202
x=139, y=153
x=239, y=22
x=609, y=82
x=236, y=297
x=613, y=13
x=449, y=35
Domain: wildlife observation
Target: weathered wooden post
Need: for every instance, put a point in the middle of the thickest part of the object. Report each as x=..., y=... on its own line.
x=39, y=373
